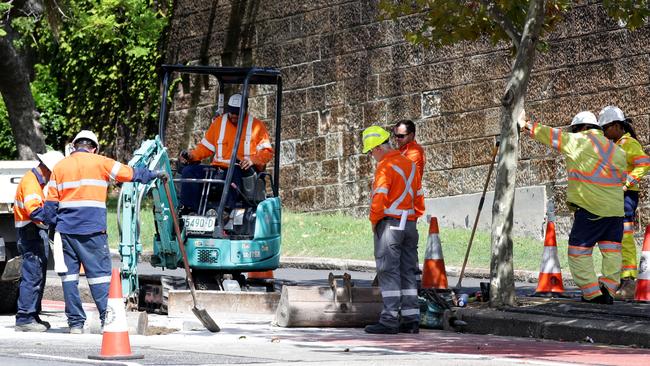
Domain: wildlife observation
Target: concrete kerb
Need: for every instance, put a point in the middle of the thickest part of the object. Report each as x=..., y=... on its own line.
x=338, y=264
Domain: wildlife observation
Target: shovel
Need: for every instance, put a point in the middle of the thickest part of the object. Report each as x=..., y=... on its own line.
x=202, y=314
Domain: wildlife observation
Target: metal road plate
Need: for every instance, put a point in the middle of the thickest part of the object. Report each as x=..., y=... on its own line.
x=199, y=223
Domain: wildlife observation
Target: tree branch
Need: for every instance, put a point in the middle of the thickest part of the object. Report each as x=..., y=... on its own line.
x=503, y=21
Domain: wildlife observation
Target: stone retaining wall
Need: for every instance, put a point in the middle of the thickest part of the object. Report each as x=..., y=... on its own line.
x=344, y=70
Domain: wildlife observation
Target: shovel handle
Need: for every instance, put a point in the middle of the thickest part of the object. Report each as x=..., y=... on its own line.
x=495, y=149
x=181, y=244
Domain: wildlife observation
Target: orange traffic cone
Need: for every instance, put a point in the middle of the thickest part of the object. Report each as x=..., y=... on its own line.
x=434, y=274
x=263, y=275
x=115, y=340
x=643, y=278
x=550, y=274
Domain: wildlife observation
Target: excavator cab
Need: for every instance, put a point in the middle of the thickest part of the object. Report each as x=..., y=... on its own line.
x=219, y=246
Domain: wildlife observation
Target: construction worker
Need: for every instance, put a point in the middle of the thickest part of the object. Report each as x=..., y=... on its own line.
x=33, y=242
x=619, y=129
x=397, y=202
x=596, y=173
x=76, y=205
x=404, y=137
x=254, y=151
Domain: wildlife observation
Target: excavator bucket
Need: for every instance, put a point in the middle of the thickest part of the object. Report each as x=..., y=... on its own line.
x=329, y=306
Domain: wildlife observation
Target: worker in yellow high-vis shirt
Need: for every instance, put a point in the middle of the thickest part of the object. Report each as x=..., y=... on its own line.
x=596, y=173
x=619, y=129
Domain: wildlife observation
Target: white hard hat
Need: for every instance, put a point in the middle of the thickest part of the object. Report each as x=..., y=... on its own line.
x=50, y=158
x=610, y=114
x=88, y=135
x=234, y=104
x=584, y=118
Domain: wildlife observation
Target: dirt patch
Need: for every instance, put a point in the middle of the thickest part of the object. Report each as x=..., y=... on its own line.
x=160, y=330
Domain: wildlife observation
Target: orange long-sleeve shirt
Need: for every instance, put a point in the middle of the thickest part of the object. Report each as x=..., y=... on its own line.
x=397, y=188
x=415, y=153
x=219, y=140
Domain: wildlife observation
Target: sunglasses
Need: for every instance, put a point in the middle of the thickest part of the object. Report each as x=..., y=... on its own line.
x=400, y=135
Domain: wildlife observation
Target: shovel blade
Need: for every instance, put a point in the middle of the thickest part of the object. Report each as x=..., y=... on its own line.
x=206, y=319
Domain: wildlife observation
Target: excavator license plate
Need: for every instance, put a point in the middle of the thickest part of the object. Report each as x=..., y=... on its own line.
x=199, y=223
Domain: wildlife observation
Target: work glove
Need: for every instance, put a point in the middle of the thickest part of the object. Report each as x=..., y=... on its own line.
x=521, y=120
x=162, y=175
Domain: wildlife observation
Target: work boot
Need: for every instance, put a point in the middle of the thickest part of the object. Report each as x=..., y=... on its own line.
x=76, y=330
x=411, y=328
x=380, y=329
x=607, y=298
x=31, y=327
x=626, y=290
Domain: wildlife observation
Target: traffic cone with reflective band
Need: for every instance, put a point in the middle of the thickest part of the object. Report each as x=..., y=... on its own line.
x=643, y=278
x=550, y=273
x=115, y=340
x=263, y=275
x=434, y=274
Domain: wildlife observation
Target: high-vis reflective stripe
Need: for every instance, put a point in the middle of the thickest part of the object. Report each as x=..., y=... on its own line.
x=249, y=135
x=576, y=251
x=610, y=284
x=207, y=144
x=371, y=135
x=407, y=190
x=556, y=138
x=115, y=170
x=641, y=161
x=380, y=190
x=83, y=203
x=609, y=246
x=83, y=182
x=33, y=196
x=396, y=293
x=222, y=135
x=70, y=278
x=410, y=292
x=590, y=290
x=605, y=173
x=631, y=181
x=628, y=227
x=264, y=145
x=97, y=280
x=20, y=204
x=420, y=192
x=22, y=223
x=407, y=312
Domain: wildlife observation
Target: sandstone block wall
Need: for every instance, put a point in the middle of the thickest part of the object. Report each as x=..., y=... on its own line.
x=344, y=70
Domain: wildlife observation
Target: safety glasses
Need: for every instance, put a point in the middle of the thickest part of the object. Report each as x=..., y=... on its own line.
x=400, y=135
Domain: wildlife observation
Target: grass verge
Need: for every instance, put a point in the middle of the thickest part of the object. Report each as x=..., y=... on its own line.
x=340, y=236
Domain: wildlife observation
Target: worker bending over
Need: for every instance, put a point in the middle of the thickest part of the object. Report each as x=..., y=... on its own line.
x=254, y=151
x=619, y=129
x=33, y=242
x=397, y=202
x=596, y=173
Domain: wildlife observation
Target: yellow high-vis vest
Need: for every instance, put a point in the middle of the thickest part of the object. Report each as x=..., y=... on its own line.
x=595, y=168
x=638, y=163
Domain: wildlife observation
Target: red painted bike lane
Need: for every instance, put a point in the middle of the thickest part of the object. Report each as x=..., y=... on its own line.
x=486, y=345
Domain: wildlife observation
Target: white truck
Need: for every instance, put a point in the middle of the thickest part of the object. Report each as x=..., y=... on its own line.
x=10, y=174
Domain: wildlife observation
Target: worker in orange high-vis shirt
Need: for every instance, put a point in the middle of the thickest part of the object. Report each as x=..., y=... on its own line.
x=397, y=202
x=76, y=205
x=255, y=151
x=618, y=128
x=33, y=242
x=404, y=137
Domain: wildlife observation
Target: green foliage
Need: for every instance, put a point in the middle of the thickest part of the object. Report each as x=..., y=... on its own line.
x=104, y=58
x=633, y=13
x=7, y=145
x=445, y=22
x=4, y=9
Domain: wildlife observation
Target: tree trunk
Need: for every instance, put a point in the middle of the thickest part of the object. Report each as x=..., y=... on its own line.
x=502, y=286
x=17, y=95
